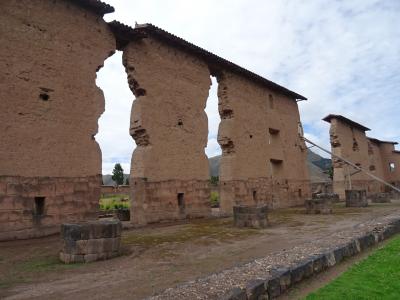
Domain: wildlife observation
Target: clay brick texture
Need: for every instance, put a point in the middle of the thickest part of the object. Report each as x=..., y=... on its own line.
x=169, y=125
x=263, y=158
x=377, y=157
x=49, y=109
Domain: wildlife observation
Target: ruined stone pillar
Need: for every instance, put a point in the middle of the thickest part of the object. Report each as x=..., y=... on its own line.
x=169, y=176
x=50, y=166
x=263, y=159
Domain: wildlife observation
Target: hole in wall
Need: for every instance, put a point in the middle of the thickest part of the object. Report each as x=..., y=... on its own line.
x=181, y=202
x=213, y=149
x=113, y=134
x=271, y=101
x=39, y=204
x=44, y=96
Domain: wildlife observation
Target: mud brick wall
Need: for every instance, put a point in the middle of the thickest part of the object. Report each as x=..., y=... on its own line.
x=258, y=135
x=90, y=241
x=375, y=156
x=49, y=109
x=169, y=126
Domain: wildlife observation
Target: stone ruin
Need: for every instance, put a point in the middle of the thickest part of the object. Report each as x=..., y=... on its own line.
x=250, y=216
x=348, y=140
x=321, y=203
x=50, y=171
x=356, y=198
x=90, y=241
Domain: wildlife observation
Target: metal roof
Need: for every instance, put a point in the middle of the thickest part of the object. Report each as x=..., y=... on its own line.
x=98, y=7
x=125, y=34
x=345, y=120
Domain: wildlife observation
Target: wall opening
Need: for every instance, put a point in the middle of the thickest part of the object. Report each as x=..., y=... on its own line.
x=181, y=202
x=113, y=134
x=276, y=168
x=39, y=204
x=213, y=149
x=392, y=167
x=255, y=196
x=271, y=101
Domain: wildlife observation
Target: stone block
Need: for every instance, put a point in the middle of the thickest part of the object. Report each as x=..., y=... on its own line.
x=274, y=286
x=318, y=206
x=320, y=263
x=235, y=294
x=381, y=198
x=255, y=289
x=250, y=216
x=366, y=241
x=356, y=198
x=285, y=278
x=93, y=240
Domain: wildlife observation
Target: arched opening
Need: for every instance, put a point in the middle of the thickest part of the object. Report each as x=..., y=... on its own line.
x=113, y=135
x=213, y=149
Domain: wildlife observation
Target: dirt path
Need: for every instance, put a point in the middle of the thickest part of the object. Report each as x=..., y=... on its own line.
x=158, y=258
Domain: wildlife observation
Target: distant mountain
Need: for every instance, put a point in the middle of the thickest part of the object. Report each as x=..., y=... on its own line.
x=107, y=180
x=317, y=166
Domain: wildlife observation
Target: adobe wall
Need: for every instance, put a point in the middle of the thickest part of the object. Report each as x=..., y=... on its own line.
x=263, y=160
x=350, y=143
x=49, y=109
x=370, y=154
x=169, y=126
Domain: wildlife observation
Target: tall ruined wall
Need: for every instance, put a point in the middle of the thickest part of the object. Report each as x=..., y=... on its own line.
x=169, y=125
x=375, y=167
x=371, y=154
x=390, y=156
x=350, y=143
x=263, y=159
x=49, y=109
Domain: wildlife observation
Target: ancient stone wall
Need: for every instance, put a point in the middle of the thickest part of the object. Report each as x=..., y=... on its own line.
x=169, y=170
x=263, y=159
x=348, y=140
x=49, y=109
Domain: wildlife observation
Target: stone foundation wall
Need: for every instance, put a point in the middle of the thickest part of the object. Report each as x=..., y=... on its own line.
x=273, y=193
x=33, y=207
x=169, y=200
x=319, y=206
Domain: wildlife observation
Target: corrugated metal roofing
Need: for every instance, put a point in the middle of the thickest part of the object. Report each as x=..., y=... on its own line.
x=125, y=34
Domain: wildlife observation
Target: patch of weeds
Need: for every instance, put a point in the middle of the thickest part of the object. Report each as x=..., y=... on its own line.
x=44, y=264
x=221, y=230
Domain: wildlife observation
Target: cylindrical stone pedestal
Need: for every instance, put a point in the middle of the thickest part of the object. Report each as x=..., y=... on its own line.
x=356, y=198
x=319, y=206
x=90, y=241
x=250, y=216
x=381, y=198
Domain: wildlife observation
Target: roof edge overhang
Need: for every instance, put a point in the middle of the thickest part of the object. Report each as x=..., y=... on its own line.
x=329, y=117
x=125, y=34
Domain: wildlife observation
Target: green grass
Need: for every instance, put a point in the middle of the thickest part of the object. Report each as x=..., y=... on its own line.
x=376, y=277
x=111, y=202
x=25, y=271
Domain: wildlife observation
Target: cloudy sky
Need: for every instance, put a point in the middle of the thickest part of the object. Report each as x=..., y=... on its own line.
x=344, y=56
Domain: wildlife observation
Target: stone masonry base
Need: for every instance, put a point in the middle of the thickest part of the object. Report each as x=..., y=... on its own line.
x=171, y=200
x=36, y=206
x=90, y=241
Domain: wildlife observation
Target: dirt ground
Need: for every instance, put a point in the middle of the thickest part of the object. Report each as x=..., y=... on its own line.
x=159, y=257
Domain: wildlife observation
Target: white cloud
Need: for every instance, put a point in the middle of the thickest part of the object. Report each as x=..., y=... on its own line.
x=342, y=55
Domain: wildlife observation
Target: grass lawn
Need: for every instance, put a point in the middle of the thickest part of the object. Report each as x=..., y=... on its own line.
x=111, y=202
x=376, y=277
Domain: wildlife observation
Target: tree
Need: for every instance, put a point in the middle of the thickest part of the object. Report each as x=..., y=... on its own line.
x=118, y=174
